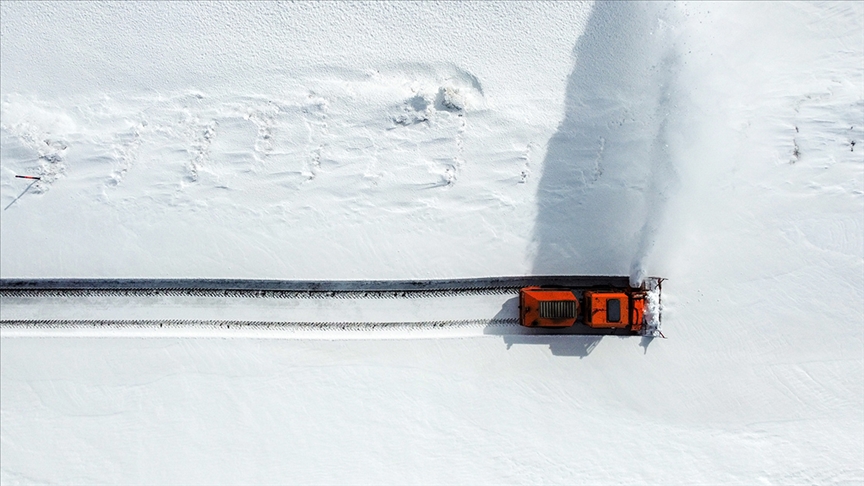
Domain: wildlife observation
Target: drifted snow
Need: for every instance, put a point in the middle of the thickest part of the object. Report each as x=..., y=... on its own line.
x=716, y=145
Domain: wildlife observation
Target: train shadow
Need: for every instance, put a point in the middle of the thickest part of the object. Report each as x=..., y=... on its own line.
x=560, y=343
x=579, y=346
x=595, y=201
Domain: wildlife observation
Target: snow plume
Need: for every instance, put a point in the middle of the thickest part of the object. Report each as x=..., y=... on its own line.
x=609, y=169
x=662, y=178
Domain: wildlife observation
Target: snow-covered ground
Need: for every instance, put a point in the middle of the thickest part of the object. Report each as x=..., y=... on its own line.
x=714, y=144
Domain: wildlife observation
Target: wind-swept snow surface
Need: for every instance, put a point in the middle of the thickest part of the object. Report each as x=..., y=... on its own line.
x=315, y=142
x=717, y=145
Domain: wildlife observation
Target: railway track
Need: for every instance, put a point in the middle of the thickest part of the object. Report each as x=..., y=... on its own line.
x=484, y=305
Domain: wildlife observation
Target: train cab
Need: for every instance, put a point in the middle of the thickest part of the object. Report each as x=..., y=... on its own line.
x=614, y=310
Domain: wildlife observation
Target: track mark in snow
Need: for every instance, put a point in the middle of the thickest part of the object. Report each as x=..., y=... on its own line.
x=372, y=172
x=125, y=153
x=315, y=120
x=820, y=136
x=598, y=167
x=202, y=136
x=450, y=98
x=415, y=110
x=796, y=150
x=264, y=119
x=51, y=163
x=526, y=165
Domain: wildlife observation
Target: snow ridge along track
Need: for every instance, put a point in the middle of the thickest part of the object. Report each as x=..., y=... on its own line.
x=216, y=324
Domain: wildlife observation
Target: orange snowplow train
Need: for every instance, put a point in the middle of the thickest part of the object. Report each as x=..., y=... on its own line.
x=604, y=309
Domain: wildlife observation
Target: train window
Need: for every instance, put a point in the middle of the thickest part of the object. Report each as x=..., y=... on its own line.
x=613, y=310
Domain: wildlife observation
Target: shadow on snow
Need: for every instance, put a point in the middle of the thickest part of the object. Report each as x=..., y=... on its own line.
x=607, y=171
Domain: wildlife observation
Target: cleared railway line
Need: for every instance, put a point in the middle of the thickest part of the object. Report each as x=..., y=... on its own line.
x=489, y=304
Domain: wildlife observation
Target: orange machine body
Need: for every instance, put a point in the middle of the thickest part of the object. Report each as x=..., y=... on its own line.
x=541, y=307
x=599, y=309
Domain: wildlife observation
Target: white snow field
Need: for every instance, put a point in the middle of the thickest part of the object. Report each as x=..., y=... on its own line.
x=720, y=145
